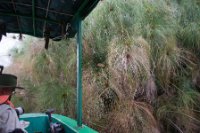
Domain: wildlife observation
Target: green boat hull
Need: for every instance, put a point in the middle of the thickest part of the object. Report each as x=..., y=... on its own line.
x=39, y=123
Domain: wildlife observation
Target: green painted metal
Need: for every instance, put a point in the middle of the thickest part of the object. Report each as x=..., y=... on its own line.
x=39, y=123
x=33, y=15
x=77, y=15
x=79, y=74
x=93, y=5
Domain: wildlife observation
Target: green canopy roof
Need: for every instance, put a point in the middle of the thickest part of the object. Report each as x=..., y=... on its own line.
x=40, y=18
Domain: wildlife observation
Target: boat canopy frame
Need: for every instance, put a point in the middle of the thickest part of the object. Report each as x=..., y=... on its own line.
x=37, y=17
x=52, y=20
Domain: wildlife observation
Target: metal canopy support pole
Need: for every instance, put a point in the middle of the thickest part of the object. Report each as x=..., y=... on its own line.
x=79, y=74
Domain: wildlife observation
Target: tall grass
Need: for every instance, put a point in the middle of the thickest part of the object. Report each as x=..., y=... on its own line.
x=147, y=56
x=48, y=79
x=140, y=68
x=189, y=22
x=129, y=66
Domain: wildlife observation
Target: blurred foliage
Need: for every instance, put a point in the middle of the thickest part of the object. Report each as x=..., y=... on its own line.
x=141, y=70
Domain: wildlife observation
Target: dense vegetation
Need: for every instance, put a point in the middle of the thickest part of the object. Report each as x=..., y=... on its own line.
x=141, y=68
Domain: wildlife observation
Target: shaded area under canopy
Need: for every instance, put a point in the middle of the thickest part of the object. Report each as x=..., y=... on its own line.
x=41, y=18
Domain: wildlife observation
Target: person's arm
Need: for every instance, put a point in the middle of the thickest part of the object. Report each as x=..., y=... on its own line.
x=8, y=119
